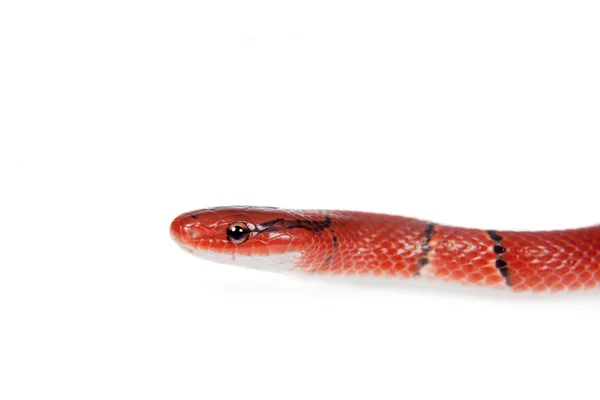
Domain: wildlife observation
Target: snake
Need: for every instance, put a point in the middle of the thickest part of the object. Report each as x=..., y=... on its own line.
x=353, y=243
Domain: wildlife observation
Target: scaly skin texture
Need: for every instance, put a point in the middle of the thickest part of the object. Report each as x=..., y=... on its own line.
x=356, y=243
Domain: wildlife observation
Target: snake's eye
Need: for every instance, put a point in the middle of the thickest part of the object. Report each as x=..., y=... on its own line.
x=238, y=232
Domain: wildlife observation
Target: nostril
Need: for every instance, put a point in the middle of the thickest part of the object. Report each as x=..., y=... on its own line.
x=192, y=232
x=185, y=228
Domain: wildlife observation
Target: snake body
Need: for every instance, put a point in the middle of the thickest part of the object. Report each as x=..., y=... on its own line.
x=358, y=243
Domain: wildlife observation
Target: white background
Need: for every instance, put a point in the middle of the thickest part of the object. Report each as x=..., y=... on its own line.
x=116, y=116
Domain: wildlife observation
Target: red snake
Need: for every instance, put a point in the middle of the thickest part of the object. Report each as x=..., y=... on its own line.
x=358, y=243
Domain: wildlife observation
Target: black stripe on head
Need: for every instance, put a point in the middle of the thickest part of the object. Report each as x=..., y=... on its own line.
x=280, y=224
x=311, y=226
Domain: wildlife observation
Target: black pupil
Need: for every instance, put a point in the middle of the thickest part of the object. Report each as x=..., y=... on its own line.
x=237, y=232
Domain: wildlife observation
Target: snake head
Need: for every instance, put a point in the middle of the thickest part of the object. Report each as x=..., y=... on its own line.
x=261, y=237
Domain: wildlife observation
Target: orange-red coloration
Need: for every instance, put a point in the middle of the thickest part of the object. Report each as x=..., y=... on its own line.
x=555, y=261
x=356, y=243
x=463, y=255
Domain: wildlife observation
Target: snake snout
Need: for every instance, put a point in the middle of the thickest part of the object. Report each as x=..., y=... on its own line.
x=183, y=229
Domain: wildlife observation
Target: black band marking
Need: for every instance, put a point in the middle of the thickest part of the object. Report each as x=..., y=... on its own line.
x=501, y=265
x=499, y=249
x=494, y=236
x=423, y=261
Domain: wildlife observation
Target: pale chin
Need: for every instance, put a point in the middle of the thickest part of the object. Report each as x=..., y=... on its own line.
x=276, y=262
